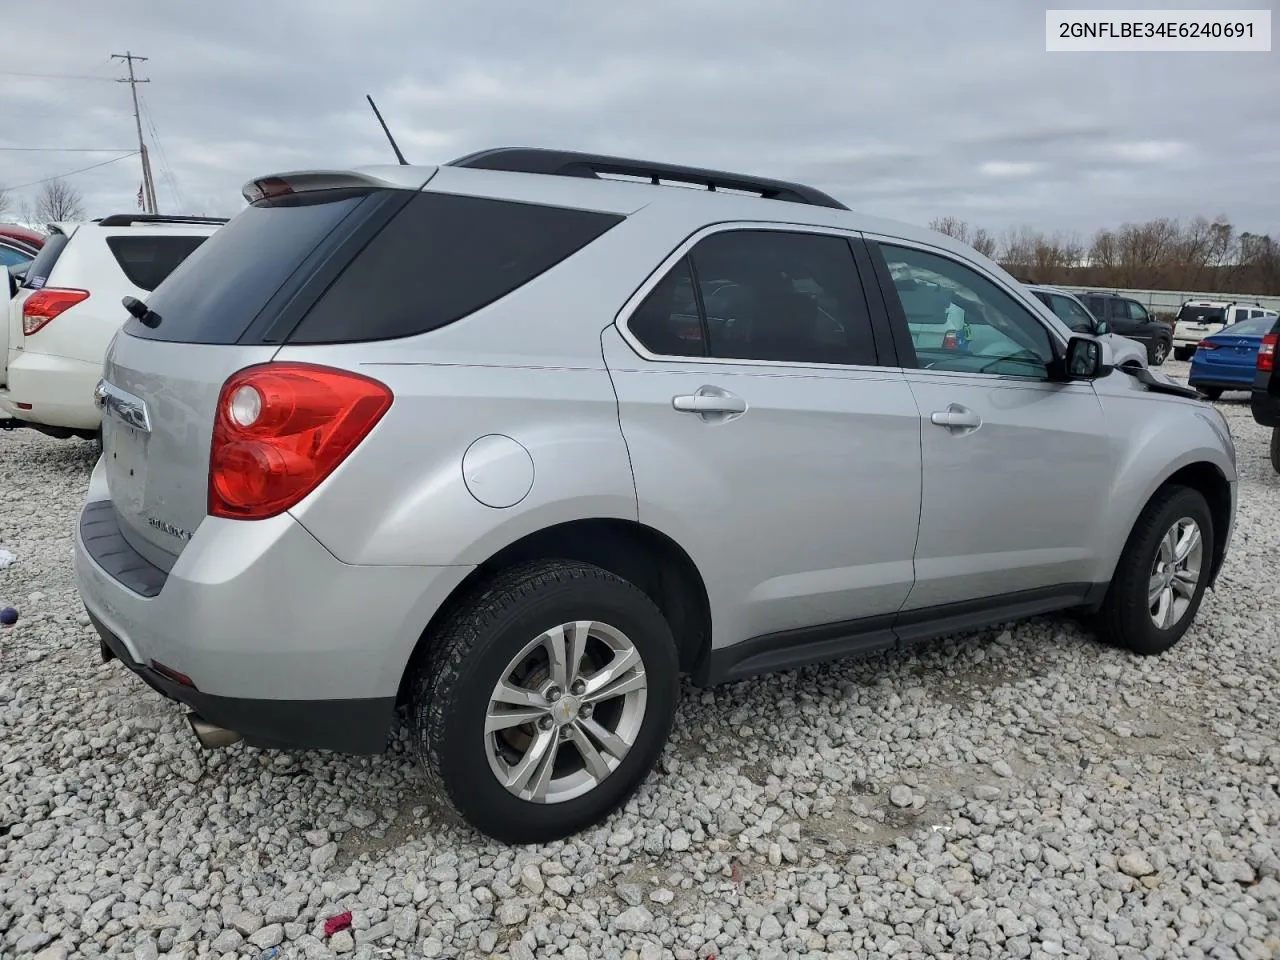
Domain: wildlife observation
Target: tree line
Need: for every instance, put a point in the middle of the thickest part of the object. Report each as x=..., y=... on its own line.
x=56, y=200
x=1164, y=254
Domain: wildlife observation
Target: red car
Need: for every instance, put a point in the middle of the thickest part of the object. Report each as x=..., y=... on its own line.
x=18, y=244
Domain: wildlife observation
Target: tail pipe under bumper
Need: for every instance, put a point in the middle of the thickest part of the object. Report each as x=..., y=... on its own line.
x=211, y=736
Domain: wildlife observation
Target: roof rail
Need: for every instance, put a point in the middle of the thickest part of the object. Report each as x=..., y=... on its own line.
x=128, y=219
x=568, y=163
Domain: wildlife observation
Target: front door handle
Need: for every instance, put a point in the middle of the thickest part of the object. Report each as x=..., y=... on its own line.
x=711, y=404
x=956, y=418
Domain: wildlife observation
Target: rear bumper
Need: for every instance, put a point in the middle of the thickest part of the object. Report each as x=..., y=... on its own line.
x=284, y=643
x=58, y=391
x=1223, y=380
x=348, y=726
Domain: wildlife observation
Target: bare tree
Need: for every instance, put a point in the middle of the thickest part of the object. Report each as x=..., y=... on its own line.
x=953, y=227
x=6, y=204
x=984, y=243
x=59, y=200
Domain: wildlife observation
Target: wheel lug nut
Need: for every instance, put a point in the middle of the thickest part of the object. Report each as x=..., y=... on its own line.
x=586, y=710
x=553, y=694
x=578, y=687
x=545, y=723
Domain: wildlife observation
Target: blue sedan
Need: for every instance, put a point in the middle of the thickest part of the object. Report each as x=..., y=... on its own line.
x=1228, y=360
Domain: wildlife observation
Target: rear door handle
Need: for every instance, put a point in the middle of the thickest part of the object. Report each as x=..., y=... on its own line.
x=956, y=417
x=711, y=404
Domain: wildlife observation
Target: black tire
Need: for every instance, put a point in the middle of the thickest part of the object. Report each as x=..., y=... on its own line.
x=1125, y=617
x=1275, y=449
x=1159, y=353
x=1210, y=393
x=1183, y=353
x=451, y=693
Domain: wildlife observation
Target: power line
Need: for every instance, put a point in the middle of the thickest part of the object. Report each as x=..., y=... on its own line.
x=63, y=149
x=166, y=168
x=59, y=176
x=53, y=76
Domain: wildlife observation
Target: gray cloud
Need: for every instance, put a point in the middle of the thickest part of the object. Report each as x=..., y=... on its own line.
x=909, y=110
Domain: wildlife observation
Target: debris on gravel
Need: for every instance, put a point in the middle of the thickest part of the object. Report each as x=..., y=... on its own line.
x=1020, y=792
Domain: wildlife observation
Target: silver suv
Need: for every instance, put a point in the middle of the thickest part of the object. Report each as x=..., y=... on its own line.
x=512, y=443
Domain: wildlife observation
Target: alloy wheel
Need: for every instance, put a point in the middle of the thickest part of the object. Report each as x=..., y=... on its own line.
x=565, y=712
x=1175, y=573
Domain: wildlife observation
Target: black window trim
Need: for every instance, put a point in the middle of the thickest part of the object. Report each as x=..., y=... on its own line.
x=902, y=332
x=880, y=326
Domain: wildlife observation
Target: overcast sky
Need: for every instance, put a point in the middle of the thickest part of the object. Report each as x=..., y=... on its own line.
x=906, y=109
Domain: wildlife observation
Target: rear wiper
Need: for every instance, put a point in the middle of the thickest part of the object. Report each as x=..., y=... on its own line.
x=145, y=315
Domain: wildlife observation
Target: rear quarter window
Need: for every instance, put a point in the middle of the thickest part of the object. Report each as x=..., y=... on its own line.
x=217, y=292
x=42, y=266
x=441, y=258
x=148, y=260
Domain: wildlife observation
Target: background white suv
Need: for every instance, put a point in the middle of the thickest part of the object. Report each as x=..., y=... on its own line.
x=1203, y=318
x=68, y=308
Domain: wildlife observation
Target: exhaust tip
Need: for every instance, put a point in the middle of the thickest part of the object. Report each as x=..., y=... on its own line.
x=211, y=737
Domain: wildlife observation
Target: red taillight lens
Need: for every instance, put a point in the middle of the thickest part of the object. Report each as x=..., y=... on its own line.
x=1206, y=345
x=44, y=305
x=950, y=341
x=280, y=429
x=1267, y=352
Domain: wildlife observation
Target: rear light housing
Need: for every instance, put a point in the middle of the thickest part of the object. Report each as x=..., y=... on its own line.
x=950, y=341
x=280, y=429
x=44, y=306
x=1267, y=352
x=1206, y=345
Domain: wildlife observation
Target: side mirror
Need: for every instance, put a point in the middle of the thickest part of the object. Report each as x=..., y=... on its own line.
x=1102, y=328
x=1084, y=360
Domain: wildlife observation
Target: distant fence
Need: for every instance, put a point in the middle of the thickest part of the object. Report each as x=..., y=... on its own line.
x=1168, y=301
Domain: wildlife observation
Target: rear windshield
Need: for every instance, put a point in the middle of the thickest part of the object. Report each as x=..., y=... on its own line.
x=147, y=260
x=1192, y=314
x=38, y=273
x=441, y=258
x=215, y=293
x=1256, y=327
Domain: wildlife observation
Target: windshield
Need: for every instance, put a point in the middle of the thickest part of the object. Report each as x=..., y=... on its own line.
x=1194, y=314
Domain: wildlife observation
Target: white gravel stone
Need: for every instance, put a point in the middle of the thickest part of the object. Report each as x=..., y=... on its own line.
x=634, y=920
x=1139, y=814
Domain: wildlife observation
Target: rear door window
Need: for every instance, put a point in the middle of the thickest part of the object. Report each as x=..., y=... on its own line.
x=441, y=258
x=148, y=260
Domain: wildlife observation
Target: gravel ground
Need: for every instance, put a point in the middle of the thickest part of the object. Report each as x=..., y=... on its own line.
x=1020, y=792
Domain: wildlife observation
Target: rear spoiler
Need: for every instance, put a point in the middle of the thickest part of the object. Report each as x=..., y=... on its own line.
x=306, y=181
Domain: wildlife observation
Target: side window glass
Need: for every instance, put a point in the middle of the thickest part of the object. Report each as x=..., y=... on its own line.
x=959, y=320
x=1072, y=314
x=1119, y=310
x=1241, y=315
x=1136, y=311
x=667, y=323
x=782, y=297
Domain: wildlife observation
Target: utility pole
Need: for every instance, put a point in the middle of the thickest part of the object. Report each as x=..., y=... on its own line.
x=148, y=185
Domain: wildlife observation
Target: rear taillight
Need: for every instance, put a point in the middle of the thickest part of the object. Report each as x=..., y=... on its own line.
x=280, y=429
x=1206, y=345
x=45, y=305
x=1267, y=352
x=950, y=341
